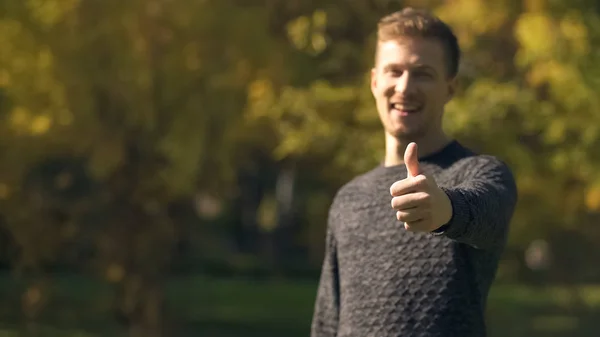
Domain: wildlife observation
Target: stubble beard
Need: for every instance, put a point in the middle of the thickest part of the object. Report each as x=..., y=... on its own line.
x=407, y=137
x=404, y=134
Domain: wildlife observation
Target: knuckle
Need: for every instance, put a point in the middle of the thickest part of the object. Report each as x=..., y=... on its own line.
x=395, y=187
x=425, y=198
x=420, y=180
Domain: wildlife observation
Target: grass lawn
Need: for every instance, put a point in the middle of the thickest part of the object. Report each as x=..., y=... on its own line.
x=235, y=307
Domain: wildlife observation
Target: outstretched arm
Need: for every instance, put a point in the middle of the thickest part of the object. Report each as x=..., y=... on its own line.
x=477, y=211
x=482, y=205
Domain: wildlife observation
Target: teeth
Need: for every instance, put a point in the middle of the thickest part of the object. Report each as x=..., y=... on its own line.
x=405, y=107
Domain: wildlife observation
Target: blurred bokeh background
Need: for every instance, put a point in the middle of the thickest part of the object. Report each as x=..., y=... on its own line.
x=166, y=166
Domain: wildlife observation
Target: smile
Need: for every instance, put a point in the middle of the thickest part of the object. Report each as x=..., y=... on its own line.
x=406, y=108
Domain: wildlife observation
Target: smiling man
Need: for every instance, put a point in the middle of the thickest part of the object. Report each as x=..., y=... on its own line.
x=412, y=246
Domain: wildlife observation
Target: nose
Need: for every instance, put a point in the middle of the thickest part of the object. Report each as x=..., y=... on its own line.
x=404, y=83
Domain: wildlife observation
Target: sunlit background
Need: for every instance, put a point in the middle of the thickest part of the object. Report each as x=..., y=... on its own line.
x=166, y=166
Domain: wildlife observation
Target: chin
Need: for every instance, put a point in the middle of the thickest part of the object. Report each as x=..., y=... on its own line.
x=405, y=134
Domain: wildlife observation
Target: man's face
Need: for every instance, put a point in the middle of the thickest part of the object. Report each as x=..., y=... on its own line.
x=411, y=86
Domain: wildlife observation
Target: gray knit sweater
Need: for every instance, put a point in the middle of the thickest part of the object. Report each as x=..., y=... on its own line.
x=379, y=280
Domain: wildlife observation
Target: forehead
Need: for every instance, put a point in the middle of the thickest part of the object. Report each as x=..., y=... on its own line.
x=411, y=51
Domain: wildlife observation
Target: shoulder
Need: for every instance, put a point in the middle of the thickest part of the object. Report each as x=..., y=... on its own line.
x=467, y=160
x=482, y=161
x=483, y=167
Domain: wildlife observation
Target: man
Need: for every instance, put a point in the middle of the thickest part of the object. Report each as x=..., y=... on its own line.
x=423, y=265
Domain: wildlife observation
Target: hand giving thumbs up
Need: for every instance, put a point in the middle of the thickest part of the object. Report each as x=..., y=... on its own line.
x=411, y=160
x=418, y=201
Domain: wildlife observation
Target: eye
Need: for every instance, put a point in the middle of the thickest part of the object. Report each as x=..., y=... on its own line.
x=395, y=72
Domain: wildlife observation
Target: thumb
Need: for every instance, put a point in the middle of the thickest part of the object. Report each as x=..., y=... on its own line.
x=411, y=160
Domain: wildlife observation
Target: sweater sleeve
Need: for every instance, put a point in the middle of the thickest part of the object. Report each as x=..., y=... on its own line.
x=482, y=205
x=325, y=316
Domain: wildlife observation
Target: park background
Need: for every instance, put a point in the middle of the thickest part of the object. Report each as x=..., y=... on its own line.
x=166, y=166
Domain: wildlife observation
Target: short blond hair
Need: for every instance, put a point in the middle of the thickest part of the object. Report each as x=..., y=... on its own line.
x=411, y=22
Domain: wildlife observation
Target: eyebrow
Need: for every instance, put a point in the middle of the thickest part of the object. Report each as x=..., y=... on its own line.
x=417, y=66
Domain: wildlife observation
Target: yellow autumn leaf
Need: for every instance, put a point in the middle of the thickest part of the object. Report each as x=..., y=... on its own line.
x=318, y=42
x=319, y=19
x=555, y=132
x=535, y=5
x=527, y=183
x=592, y=198
x=5, y=78
x=471, y=18
x=576, y=33
x=536, y=34
x=540, y=72
x=50, y=12
x=258, y=89
x=297, y=31
x=565, y=80
x=44, y=59
x=19, y=117
x=559, y=162
x=40, y=124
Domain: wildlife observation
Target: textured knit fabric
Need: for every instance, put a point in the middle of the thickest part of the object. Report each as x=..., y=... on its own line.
x=380, y=280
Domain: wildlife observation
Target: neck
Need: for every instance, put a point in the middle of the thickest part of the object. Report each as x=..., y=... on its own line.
x=395, y=147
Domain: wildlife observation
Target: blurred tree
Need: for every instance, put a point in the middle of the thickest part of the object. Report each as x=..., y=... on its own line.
x=116, y=113
x=148, y=95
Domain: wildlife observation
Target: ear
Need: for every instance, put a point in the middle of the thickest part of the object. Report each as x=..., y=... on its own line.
x=373, y=80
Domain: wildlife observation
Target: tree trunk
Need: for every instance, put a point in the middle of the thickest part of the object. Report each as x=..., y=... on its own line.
x=141, y=306
x=284, y=233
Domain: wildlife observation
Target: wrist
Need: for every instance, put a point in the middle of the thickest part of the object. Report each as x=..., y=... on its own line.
x=447, y=212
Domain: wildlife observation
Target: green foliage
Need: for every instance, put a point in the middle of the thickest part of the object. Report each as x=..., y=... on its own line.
x=185, y=84
x=162, y=99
